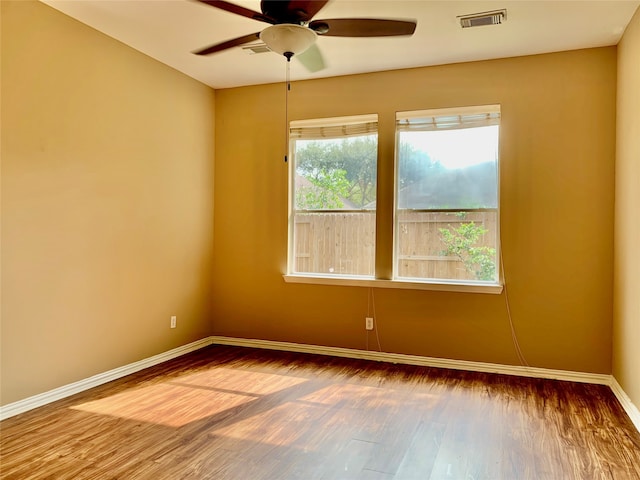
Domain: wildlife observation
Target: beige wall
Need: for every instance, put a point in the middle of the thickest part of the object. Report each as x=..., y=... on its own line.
x=107, y=209
x=558, y=149
x=626, y=338
x=107, y=203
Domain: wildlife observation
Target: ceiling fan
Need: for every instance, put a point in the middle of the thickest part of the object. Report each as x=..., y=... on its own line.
x=293, y=32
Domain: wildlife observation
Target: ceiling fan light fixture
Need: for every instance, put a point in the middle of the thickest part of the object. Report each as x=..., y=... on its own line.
x=288, y=38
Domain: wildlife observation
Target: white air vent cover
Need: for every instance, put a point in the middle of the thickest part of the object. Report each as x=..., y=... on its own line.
x=495, y=17
x=256, y=48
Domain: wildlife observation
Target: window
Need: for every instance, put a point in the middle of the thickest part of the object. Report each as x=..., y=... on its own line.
x=333, y=196
x=438, y=227
x=446, y=222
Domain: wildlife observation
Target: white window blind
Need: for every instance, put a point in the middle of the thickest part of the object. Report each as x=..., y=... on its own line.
x=448, y=119
x=339, y=127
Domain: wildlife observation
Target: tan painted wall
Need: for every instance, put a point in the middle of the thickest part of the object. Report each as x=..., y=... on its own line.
x=107, y=203
x=626, y=338
x=107, y=219
x=558, y=148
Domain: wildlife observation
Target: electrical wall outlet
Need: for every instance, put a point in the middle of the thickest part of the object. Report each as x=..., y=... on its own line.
x=174, y=319
x=368, y=323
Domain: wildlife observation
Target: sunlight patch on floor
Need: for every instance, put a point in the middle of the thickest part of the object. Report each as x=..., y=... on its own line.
x=182, y=400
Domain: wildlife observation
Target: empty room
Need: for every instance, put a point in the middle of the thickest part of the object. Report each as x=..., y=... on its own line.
x=344, y=239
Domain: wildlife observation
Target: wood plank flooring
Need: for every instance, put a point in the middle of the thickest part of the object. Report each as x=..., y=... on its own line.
x=240, y=413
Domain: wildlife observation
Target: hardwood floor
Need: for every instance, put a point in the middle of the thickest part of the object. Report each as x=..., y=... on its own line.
x=239, y=413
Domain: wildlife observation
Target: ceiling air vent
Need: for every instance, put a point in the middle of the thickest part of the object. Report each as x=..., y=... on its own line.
x=494, y=17
x=256, y=48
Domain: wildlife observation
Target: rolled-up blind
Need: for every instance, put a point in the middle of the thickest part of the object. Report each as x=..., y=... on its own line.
x=339, y=127
x=448, y=118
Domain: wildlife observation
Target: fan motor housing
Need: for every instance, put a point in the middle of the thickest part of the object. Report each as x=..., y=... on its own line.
x=280, y=10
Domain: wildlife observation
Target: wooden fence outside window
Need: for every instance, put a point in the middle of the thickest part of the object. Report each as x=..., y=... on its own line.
x=343, y=243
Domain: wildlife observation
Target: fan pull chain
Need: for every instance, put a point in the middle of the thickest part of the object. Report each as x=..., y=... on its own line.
x=286, y=109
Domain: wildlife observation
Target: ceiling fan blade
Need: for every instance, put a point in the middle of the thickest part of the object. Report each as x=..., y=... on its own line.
x=228, y=44
x=238, y=10
x=312, y=59
x=309, y=7
x=363, y=27
x=292, y=11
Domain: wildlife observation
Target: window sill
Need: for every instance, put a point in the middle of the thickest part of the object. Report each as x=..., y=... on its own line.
x=407, y=284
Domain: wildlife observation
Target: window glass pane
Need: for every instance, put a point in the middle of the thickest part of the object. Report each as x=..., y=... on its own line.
x=447, y=246
x=447, y=199
x=334, y=198
x=334, y=243
x=336, y=174
x=449, y=169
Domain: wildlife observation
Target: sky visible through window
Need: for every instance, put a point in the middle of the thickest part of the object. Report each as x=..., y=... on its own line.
x=458, y=148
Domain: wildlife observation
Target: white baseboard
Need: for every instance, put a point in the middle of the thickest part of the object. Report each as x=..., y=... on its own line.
x=625, y=401
x=59, y=393
x=534, y=372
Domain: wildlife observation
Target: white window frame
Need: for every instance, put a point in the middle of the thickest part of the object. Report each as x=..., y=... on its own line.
x=394, y=283
x=439, y=120
x=324, y=128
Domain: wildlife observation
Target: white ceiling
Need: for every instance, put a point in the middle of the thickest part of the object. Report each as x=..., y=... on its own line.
x=169, y=30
